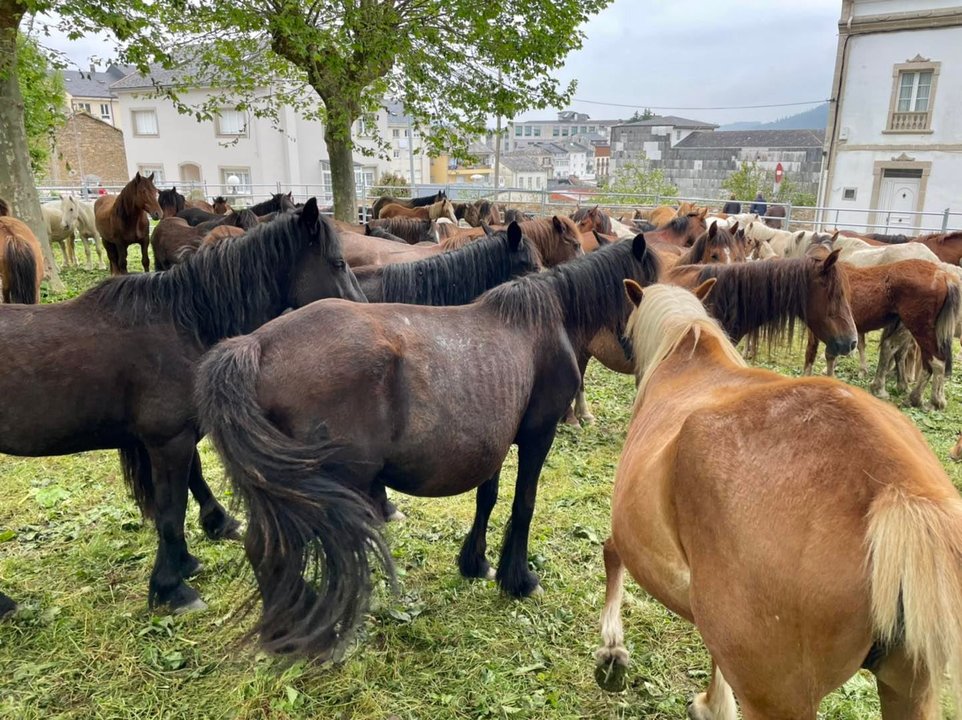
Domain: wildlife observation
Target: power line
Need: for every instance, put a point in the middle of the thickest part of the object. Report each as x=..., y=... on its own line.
x=672, y=107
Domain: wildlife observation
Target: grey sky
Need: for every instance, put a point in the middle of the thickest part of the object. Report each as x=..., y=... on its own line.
x=682, y=53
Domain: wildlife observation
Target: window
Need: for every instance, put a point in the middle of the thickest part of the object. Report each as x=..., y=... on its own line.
x=145, y=123
x=538, y=182
x=913, y=93
x=555, y=131
x=105, y=113
x=527, y=131
x=591, y=128
x=396, y=133
x=367, y=124
x=157, y=170
x=232, y=123
x=564, y=132
x=537, y=132
x=848, y=193
x=397, y=153
x=518, y=131
x=677, y=135
x=242, y=176
x=81, y=107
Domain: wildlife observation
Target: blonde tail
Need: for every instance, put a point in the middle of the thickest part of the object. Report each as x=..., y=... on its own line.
x=915, y=560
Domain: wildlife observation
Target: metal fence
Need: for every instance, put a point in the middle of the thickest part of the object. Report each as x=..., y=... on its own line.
x=560, y=200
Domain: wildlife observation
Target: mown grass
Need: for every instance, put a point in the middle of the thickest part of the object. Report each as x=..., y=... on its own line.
x=74, y=551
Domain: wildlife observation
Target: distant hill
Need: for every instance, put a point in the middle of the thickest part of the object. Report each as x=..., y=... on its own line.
x=814, y=119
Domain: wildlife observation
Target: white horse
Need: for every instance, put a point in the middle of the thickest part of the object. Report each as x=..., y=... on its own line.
x=784, y=243
x=78, y=218
x=53, y=217
x=622, y=231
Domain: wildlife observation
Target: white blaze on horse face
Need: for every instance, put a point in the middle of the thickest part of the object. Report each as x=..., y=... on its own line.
x=728, y=256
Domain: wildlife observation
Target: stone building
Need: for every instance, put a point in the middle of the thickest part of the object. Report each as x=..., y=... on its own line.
x=87, y=151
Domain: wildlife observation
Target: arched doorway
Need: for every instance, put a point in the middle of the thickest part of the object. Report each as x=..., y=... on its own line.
x=190, y=173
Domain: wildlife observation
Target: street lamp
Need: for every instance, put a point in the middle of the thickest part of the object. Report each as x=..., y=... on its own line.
x=233, y=181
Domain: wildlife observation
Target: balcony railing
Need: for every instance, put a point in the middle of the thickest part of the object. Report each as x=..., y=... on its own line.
x=909, y=121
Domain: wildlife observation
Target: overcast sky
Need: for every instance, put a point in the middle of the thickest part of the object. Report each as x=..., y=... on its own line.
x=680, y=54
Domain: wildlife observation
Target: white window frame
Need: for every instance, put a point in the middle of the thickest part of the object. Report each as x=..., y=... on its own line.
x=133, y=122
x=157, y=169
x=82, y=107
x=912, y=120
x=221, y=132
x=242, y=172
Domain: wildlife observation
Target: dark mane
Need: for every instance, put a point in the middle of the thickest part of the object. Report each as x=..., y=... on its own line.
x=279, y=202
x=222, y=290
x=411, y=229
x=452, y=278
x=892, y=239
x=586, y=294
x=171, y=198
x=4, y=207
x=764, y=299
x=426, y=200
x=678, y=224
x=125, y=206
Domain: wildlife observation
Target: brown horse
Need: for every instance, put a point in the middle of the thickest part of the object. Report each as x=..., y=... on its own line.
x=410, y=230
x=590, y=219
x=122, y=221
x=804, y=527
x=429, y=404
x=682, y=230
x=441, y=209
x=127, y=381
x=948, y=246
x=718, y=245
x=173, y=239
x=386, y=200
x=220, y=206
x=924, y=298
x=4, y=208
x=480, y=212
x=222, y=232
x=21, y=262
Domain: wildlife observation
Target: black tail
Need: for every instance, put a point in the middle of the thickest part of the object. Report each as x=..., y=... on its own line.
x=303, y=516
x=21, y=266
x=946, y=321
x=135, y=465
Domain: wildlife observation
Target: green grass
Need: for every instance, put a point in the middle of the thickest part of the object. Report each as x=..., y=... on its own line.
x=75, y=553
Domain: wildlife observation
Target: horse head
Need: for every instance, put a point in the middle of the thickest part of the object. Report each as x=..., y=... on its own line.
x=69, y=212
x=145, y=194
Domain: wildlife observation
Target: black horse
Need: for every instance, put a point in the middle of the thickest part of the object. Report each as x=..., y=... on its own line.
x=314, y=411
x=126, y=382
x=171, y=202
x=278, y=203
x=423, y=201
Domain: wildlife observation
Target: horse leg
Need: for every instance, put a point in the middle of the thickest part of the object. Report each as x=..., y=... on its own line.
x=862, y=364
x=171, y=468
x=122, y=258
x=85, y=244
x=217, y=523
x=886, y=349
x=718, y=703
x=905, y=692
x=100, y=257
x=830, y=363
x=611, y=659
x=380, y=500
x=928, y=371
x=472, y=560
x=811, y=352
x=514, y=577
x=7, y=605
x=113, y=257
x=70, y=243
x=144, y=256
x=582, y=411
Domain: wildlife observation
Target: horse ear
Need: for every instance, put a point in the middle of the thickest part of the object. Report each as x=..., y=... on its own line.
x=634, y=292
x=639, y=247
x=151, y=177
x=734, y=228
x=310, y=213
x=514, y=236
x=703, y=213
x=713, y=230
x=557, y=224
x=701, y=292
x=831, y=259
x=834, y=236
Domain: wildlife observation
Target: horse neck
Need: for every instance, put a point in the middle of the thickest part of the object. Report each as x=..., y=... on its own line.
x=698, y=364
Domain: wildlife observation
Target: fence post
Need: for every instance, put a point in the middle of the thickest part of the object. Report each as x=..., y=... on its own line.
x=278, y=183
x=363, y=201
x=788, y=216
x=544, y=202
x=945, y=220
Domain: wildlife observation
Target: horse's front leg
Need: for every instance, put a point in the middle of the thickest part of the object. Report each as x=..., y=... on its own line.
x=513, y=575
x=217, y=523
x=85, y=244
x=144, y=256
x=472, y=560
x=170, y=466
x=114, y=257
x=811, y=352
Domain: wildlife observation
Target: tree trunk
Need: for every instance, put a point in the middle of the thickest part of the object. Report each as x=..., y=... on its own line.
x=337, y=137
x=16, y=175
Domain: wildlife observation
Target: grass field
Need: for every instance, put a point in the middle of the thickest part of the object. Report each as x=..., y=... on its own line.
x=74, y=551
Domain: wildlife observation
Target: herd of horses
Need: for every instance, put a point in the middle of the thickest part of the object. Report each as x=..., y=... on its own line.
x=801, y=524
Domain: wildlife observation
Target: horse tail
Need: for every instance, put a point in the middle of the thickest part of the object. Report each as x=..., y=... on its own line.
x=135, y=466
x=21, y=271
x=915, y=562
x=304, y=518
x=946, y=321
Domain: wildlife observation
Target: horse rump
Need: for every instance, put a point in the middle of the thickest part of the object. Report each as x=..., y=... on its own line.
x=304, y=519
x=946, y=322
x=21, y=272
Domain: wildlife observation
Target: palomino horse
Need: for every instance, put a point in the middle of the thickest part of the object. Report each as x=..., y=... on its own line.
x=386, y=200
x=926, y=300
x=441, y=209
x=452, y=278
x=804, y=527
x=77, y=218
x=21, y=263
x=128, y=379
x=306, y=437
x=122, y=221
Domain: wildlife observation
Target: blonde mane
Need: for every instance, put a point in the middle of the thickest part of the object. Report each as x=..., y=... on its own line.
x=657, y=327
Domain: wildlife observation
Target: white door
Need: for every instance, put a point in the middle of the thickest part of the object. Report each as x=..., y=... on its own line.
x=898, y=198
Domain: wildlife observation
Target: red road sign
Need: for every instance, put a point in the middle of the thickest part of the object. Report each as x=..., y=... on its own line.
x=779, y=171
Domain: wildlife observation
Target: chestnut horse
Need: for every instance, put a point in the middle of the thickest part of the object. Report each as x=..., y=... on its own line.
x=127, y=381
x=21, y=263
x=804, y=527
x=682, y=230
x=386, y=200
x=440, y=209
x=122, y=221
x=173, y=239
x=924, y=298
x=947, y=246
x=430, y=407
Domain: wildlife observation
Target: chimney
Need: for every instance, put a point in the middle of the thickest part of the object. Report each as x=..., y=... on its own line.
x=93, y=68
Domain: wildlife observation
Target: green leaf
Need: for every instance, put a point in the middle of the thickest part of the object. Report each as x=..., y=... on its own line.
x=7, y=535
x=51, y=495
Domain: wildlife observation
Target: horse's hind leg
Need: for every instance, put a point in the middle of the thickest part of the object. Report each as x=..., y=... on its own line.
x=905, y=692
x=85, y=244
x=887, y=346
x=217, y=523
x=472, y=560
x=718, y=703
x=113, y=257
x=862, y=364
x=383, y=503
x=811, y=352
x=611, y=659
x=95, y=241
x=7, y=605
x=171, y=469
x=144, y=256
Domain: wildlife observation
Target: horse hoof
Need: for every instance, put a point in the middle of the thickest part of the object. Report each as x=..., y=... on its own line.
x=611, y=672
x=191, y=567
x=537, y=592
x=8, y=608
x=572, y=421
x=396, y=516
x=221, y=526
x=195, y=605
x=490, y=574
x=588, y=419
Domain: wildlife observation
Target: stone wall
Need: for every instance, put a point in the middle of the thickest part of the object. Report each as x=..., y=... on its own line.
x=85, y=147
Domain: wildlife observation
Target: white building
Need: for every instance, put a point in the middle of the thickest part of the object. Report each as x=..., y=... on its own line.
x=894, y=139
x=569, y=125
x=523, y=172
x=190, y=153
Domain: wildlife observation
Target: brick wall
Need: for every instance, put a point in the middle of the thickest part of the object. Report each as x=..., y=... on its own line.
x=86, y=146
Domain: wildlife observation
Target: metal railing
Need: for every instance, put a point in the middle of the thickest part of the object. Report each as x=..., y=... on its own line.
x=564, y=200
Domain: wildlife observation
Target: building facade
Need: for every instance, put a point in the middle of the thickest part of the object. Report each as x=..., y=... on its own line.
x=650, y=139
x=87, y=151
x=89, y=91
x=894, y=140
x=569, y=125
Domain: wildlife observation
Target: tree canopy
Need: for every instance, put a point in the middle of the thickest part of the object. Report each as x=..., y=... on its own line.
x=44, y=101
x=636, y=179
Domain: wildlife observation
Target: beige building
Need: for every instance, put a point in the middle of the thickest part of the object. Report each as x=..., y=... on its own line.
x=87, y=151
x=89, y=91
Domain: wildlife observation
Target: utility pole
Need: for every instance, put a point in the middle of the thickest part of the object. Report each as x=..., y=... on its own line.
x=497, y=150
